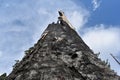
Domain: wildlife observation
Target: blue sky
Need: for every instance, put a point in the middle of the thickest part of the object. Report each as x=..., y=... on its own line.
x=23, y=21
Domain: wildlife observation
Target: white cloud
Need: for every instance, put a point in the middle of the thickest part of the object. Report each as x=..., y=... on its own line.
x=96, y=4
x=76, y=15
x=104, y=39
x=78, y=18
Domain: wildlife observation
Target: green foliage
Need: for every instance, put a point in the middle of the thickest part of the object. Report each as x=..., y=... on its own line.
x=3, y=76
x=29, y=51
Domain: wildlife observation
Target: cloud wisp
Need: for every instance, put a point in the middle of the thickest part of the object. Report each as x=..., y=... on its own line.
x=96, y=4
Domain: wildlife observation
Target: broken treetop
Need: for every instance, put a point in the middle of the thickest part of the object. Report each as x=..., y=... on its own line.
x=62, y=17
x=60, y=54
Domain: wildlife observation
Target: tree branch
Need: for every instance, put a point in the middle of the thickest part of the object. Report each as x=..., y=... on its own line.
x=115, y=58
